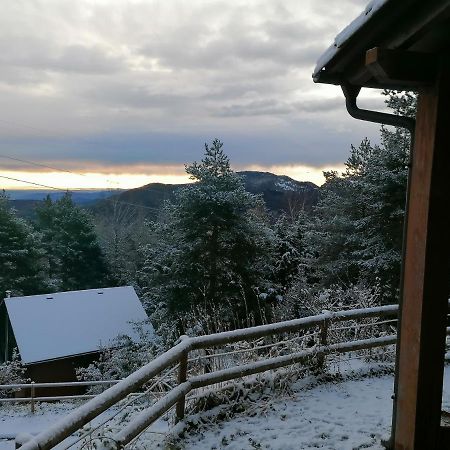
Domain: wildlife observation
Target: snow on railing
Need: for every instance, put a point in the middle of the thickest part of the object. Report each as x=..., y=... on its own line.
x=32, y=399
x=179, y=355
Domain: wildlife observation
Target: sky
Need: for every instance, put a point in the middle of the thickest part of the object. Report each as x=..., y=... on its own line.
x=121, y=93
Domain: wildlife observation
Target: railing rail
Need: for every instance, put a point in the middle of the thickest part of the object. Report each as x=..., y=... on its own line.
x=57, y=384
x=179, y=355
x=32, y=399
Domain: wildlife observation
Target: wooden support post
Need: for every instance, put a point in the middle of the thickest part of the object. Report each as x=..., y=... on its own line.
x=425, y=287
x=323, y=342
x=6, y=356
x=182, y=377
x=208, y=364
x=32, y=396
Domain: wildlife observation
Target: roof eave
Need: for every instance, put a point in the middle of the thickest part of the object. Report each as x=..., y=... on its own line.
x=395, y=25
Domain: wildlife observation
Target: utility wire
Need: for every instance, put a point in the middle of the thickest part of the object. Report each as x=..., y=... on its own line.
x=41, y=165
x=35, y=184
x=72, y=190
x=46, y=132
x=51, y=167
x=61, y=170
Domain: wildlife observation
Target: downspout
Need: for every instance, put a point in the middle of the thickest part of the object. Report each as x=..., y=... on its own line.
x=351, y=94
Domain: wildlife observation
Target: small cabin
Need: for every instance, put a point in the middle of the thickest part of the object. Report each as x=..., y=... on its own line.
x=56, y=333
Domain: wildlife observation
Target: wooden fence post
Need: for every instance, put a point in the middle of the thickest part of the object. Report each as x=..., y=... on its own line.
x=32, y=395
x=323, y=340
x=182, y=377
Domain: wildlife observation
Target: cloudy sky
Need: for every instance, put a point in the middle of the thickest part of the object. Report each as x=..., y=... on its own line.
x=125, y=92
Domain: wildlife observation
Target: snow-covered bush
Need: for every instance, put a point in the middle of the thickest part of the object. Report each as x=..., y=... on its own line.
x=12, y=372
x=123, y=358
x=312, y=300
x=306, y=300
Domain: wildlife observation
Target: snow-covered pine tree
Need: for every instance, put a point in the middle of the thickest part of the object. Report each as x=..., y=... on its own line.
x=74, y=256
x=22, y=266
x=214, y=246
x=290, y=248
x=357, y=231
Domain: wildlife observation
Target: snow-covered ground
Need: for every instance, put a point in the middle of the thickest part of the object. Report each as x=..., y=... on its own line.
x=346, y=415
x=18, y=419
x=336, y=415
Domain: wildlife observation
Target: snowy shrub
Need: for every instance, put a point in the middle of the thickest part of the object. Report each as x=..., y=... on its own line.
x=12, y=372
x=306, y=300
x=199, y=321
x=122, y=359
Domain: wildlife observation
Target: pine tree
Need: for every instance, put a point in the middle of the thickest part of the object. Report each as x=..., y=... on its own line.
x=21, y=254
x=75, y=259
x=214, y=248
x=290, y=250
x=357, y=232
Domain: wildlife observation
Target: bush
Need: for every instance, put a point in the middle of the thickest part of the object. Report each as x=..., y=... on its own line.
x=12, y=372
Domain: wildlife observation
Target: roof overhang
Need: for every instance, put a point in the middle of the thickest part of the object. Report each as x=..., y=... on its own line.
x=394, y=44
x=61, y=325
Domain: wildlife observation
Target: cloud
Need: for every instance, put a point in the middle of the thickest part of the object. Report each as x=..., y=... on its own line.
x=147, y=82
x=267, y=107
x=321, y=105
x=39, y=55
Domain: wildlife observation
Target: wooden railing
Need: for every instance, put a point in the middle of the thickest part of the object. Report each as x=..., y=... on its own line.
x=32, y=399
x=179, y=355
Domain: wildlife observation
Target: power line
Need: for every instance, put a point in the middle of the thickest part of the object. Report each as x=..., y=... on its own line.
x=41, y=165
x=73, y=190
x=46, y=132
x=35, y=184
x=51, y=167
x=60, y=170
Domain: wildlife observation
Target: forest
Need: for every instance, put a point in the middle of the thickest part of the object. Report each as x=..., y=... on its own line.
x=214, y=258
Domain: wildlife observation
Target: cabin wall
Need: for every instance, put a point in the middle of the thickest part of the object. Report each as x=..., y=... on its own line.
x=58, y=371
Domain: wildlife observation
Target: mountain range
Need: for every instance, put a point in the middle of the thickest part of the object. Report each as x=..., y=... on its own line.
x=280, y=193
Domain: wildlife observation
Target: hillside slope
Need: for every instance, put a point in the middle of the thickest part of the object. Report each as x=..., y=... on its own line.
x=280, y=193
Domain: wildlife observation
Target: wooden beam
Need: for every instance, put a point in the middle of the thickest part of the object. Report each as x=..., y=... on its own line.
x=427, y=264
x=401, y=67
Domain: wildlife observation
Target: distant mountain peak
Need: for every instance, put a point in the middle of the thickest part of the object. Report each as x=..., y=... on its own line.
x=280, y=193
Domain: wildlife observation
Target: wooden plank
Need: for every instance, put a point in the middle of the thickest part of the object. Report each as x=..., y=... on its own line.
x=425, y=290
x=402, y=67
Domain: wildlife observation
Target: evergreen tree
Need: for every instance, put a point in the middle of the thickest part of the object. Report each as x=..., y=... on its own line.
x=21, y=254
x=357, y=232
x=75, y=259
x=290, y=249
x=214, y=247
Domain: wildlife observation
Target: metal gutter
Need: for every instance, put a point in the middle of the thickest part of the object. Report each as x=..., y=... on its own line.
x=351, y=94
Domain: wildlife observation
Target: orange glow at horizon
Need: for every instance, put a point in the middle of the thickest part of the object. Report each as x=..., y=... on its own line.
x=88, y=180
x=115, y=179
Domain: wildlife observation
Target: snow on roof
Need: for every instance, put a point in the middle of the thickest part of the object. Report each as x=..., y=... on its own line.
x=346, y=33
x=62, y=324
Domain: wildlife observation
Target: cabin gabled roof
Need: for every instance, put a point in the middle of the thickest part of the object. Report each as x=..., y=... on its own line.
x=64, y=324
